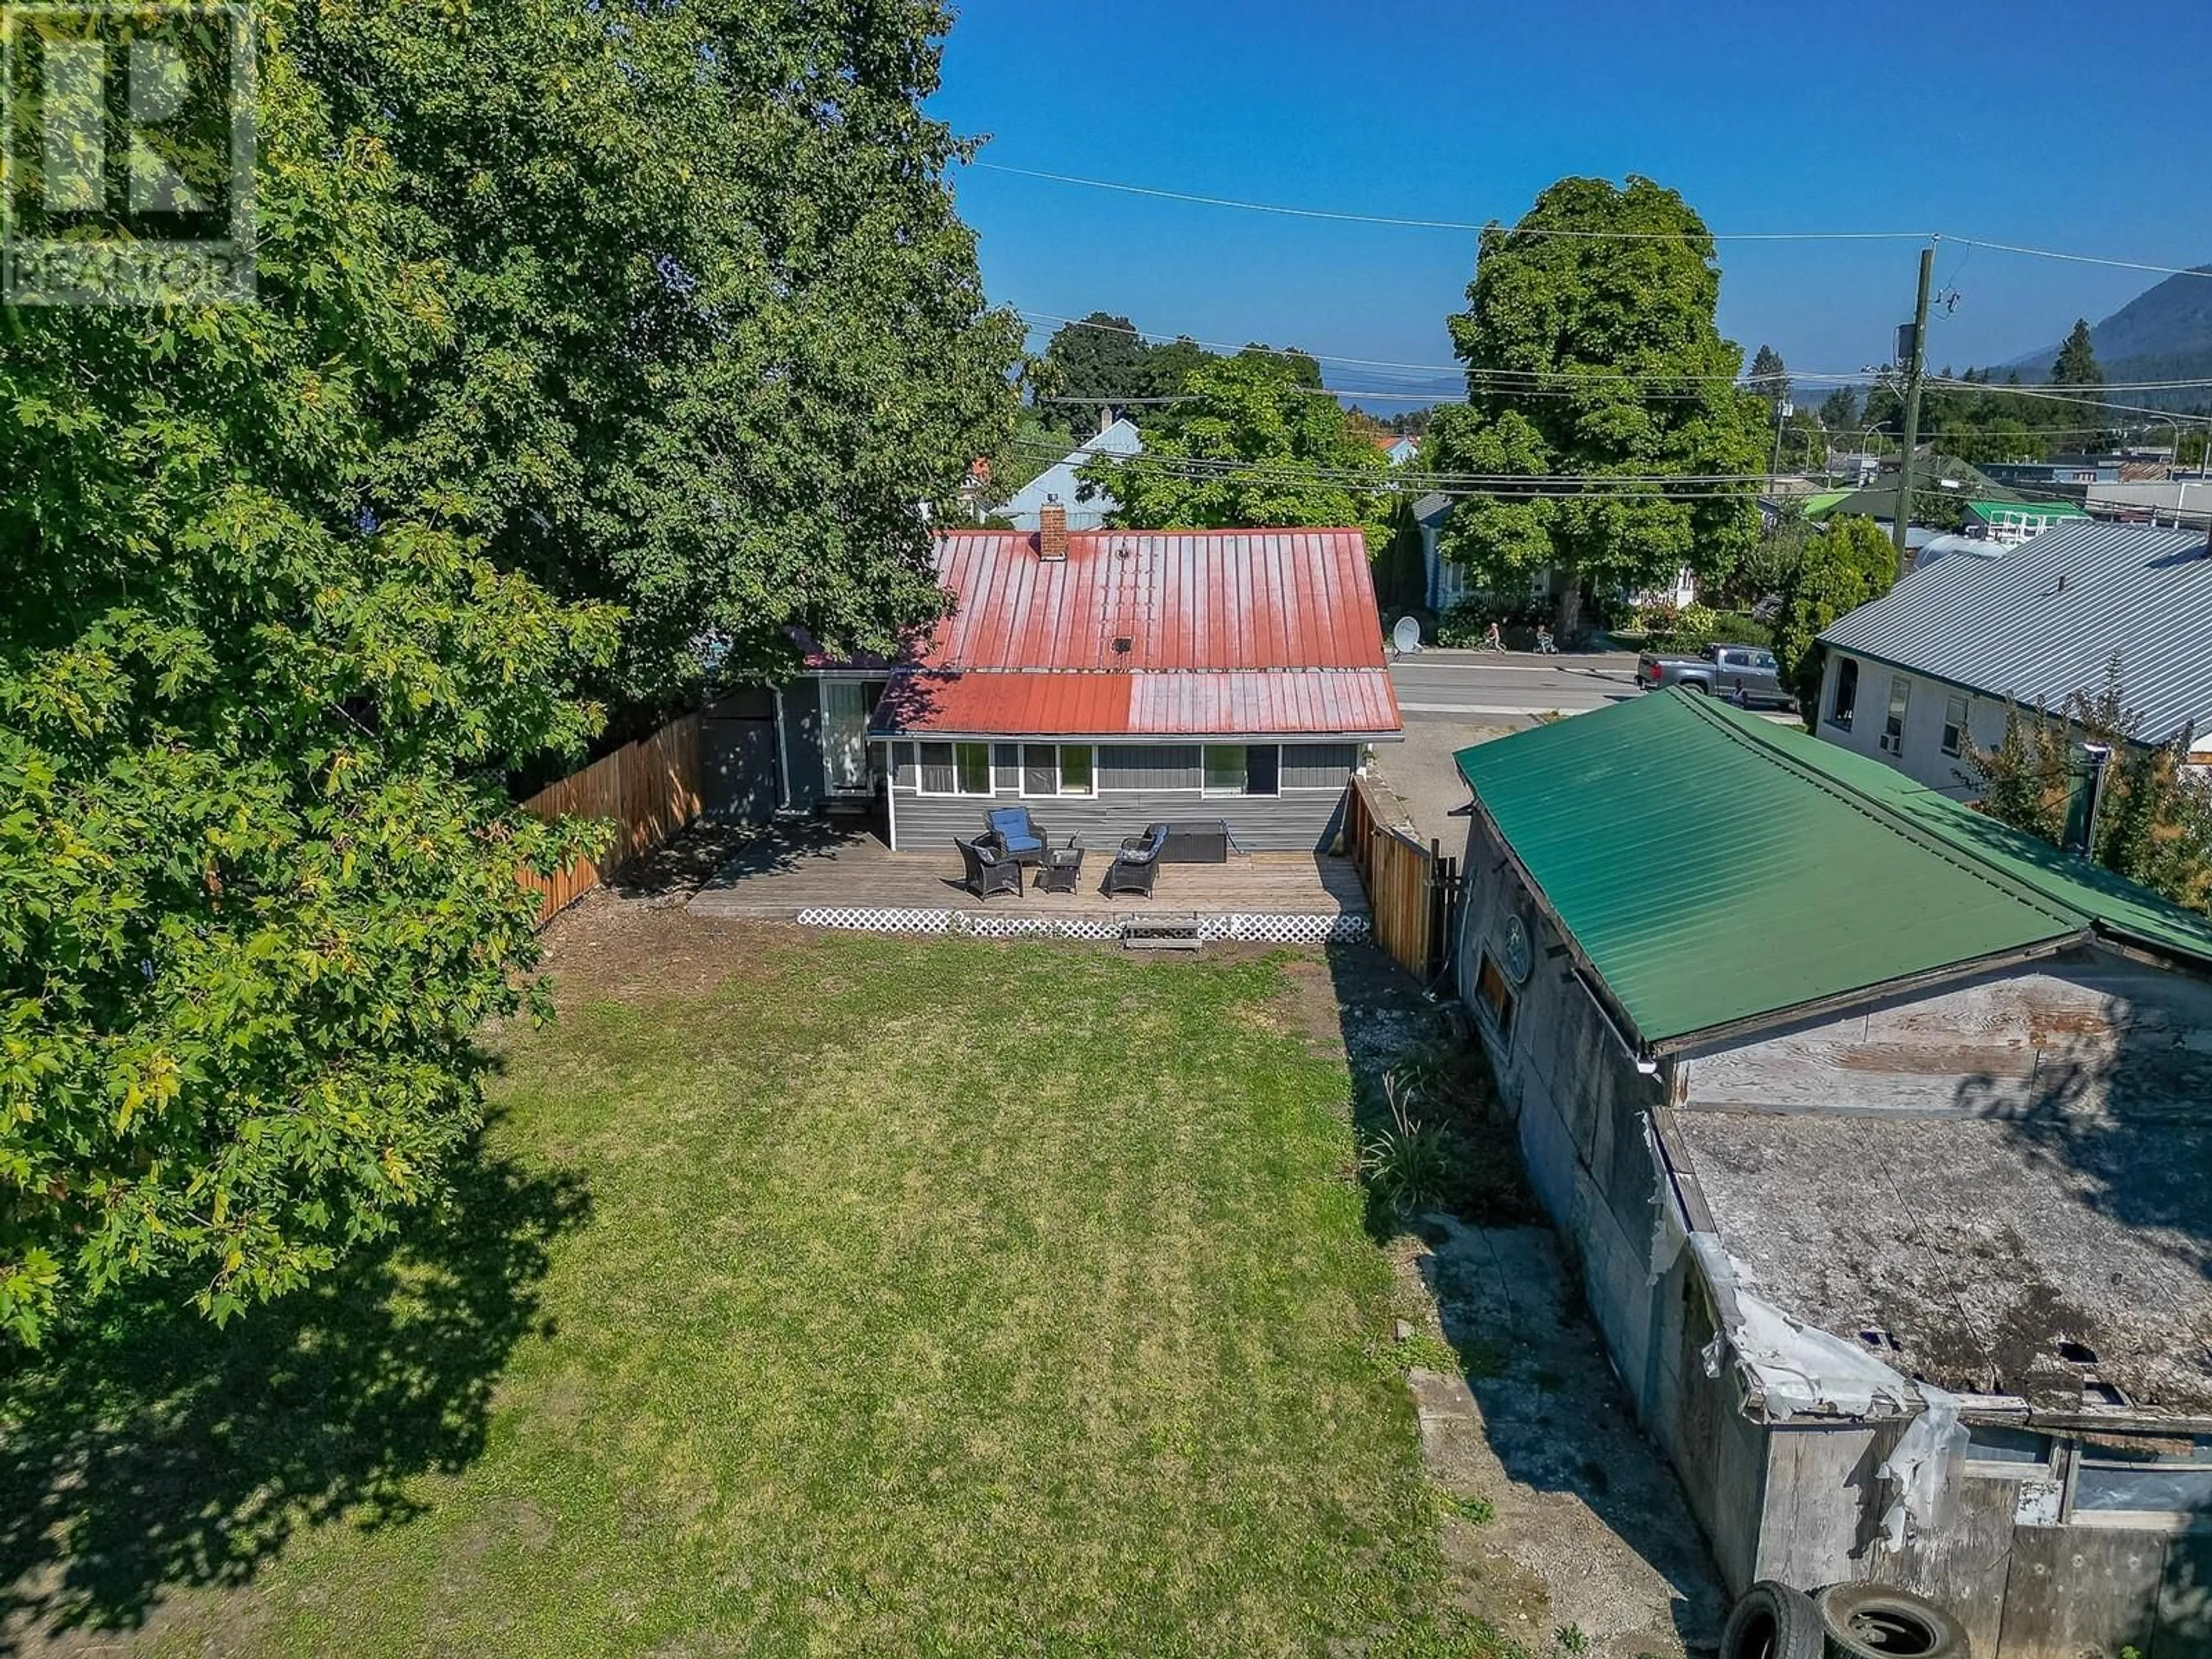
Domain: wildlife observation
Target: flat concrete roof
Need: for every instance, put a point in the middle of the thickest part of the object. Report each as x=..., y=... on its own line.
x=2037, y=1256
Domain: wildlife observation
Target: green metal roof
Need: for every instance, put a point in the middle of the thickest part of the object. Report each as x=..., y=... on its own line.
x=2045, y=511
x=1815, y=506
x=1714, y=867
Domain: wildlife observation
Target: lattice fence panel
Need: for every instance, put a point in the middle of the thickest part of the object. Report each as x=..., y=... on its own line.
x=1330, y=929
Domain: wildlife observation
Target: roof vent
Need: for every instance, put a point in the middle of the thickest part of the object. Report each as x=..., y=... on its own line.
x=1122, y=645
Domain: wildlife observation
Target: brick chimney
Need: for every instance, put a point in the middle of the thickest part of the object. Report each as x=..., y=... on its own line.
x=1051, y=531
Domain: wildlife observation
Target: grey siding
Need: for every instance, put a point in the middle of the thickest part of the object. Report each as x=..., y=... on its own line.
x=802, y=742
x=1148, y=766
x=1299, y=820
x=1318, y=765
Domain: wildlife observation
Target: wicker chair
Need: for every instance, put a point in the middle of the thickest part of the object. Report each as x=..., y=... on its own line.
x=989, y=870
x=1021, y=837
x=1138, y=862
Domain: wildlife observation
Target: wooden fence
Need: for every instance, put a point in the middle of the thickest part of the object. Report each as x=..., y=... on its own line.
x=1412, y=889
x=649, y=788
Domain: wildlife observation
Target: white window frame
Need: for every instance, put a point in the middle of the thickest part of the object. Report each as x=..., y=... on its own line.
x=867, y=783
x=1061, y=791
x=921, y=770
x=1207, y=792
x=1897, y=708
x=1958, y=729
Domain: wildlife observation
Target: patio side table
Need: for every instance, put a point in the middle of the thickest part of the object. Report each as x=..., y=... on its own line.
x=1063, y=868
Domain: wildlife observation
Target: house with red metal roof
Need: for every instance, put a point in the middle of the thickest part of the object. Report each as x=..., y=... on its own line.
x=1110, y=679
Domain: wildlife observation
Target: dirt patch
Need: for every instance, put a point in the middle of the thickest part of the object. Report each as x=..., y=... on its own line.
x=1587, y=1527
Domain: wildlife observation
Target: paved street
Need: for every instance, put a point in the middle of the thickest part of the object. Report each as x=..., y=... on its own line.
x=1468, y=684
x=1453, y=698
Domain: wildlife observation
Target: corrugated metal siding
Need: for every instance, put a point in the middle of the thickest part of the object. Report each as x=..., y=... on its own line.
x=2046, y=620
x=1297, y=822
x=1318, y=765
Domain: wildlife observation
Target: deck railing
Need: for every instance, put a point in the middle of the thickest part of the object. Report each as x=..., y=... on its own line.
x=1411, y=890
x=649, y=788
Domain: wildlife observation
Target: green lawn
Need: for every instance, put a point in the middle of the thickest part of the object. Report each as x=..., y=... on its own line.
x=860, y=1296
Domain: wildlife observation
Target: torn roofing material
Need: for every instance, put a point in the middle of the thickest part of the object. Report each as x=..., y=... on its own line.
x=1714, y=869
x=2026, y=1258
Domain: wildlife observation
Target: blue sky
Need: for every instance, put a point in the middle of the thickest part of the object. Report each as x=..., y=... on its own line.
x=2055, y=125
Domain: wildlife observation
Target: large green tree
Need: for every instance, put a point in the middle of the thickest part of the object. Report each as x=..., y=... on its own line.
x=2076, y=366
x=1834, y=571
x=716, y=330
x=2154, y=825
x=259, y=880
x=1254, y=446
x=1770, y=378
x=1098, y=362
x=1596, y=374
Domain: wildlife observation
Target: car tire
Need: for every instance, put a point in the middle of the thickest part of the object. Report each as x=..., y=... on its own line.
x=1697, y=686
x=1876, y=1621
x=1773, y=1621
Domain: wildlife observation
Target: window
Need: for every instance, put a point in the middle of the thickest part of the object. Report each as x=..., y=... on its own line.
x=956, y=769
x=1063, y=769
x=1892, y=729
x=1765, y=663
x=1847, y=692
x=1995, y=1449
x=1493, y=997
x=1244, y=768
x=1954, y=725
x=2164, y=1477
x=846, y=706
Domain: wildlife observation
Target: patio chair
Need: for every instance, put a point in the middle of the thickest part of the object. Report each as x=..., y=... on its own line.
x=1138, y=862
x=1020, y=836
x=988, y=870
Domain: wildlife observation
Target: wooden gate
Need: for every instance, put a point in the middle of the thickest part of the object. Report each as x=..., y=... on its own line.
x=649, y=789
x=1413, y=890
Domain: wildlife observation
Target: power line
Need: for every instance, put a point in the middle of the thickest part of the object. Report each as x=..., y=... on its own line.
x=1458, y=225
x=1853, y=376
x=1286, y=210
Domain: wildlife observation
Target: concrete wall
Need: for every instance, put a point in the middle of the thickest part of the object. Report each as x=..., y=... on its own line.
x=1581, y=1106
x=1138, y=784
x=1920, y=756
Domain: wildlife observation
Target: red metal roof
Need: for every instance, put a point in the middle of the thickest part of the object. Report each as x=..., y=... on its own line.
x=1187, y=633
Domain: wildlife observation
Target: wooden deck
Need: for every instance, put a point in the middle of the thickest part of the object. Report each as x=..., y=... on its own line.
x=807, y=869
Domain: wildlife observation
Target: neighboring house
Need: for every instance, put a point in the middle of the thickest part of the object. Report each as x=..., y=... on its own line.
x=1059, y=483
x=1110, y=679
x=1918, y=675
x=2018, y=521
x=1397, y=447
x=1884, y=1137
x=2175, y=500
x=1446, y=582
x=2058, y=469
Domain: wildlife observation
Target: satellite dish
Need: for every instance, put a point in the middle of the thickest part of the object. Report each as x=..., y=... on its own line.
x=1407, y=636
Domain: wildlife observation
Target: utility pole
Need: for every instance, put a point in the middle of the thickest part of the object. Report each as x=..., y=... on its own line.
x=1912, y=371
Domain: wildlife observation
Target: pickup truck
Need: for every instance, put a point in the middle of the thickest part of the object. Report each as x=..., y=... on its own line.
x=1742, y=673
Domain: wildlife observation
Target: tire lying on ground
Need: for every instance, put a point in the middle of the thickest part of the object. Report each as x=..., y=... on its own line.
x=1773, y=1621
x=1875, y=1621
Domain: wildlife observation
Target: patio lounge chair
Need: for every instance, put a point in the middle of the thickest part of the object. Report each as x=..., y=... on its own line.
x=988, y=870
x=1138, y=862
x=1021, y=837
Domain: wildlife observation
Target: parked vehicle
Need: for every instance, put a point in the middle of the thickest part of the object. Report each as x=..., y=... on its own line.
x=1742, y=673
